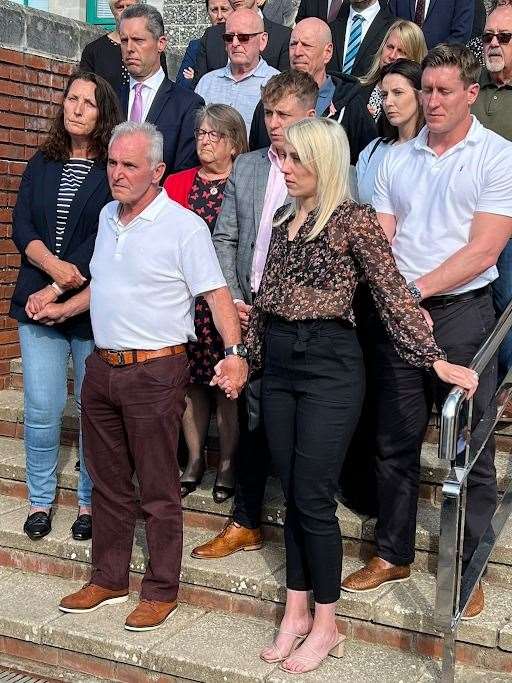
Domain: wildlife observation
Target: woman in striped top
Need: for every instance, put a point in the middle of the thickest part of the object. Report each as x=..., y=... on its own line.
x=55, y=220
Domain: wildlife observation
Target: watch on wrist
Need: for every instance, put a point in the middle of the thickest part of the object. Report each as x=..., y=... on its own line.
x=414, y=290
x=236, y=350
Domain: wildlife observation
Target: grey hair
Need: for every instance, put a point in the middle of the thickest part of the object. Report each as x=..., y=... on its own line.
x=155, y=148
x=154, y=21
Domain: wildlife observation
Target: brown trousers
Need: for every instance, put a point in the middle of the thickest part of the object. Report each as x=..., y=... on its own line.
x=131, y=419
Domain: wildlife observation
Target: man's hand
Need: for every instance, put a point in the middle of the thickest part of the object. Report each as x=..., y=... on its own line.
x=65, y=274
x=51, y=314
x=244, y=311
x=37, y=301
x=428, y=318
x=231, y=375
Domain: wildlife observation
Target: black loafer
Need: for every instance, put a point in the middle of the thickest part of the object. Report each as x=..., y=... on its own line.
x=77, y=466
x=38, y=525
x=221, y=493
x=82, y=528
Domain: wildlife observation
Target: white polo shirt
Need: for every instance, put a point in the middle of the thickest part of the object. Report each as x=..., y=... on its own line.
x=434, y=198
x=146, y=274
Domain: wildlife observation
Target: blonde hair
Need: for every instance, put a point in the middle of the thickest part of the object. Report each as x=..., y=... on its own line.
x=322, y=146
x=414, y=46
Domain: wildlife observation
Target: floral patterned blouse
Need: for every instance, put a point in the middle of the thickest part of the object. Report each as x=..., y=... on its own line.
x=317, y=279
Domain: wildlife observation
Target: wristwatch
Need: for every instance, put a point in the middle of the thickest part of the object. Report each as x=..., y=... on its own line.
x=414, y=290
x=236, y=350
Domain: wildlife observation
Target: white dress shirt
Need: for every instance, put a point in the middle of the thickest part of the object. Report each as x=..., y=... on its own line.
x=434, y=198
x=149, y=91
x=368, y=15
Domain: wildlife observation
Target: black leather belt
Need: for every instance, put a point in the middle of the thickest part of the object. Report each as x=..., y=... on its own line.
x=445, y=300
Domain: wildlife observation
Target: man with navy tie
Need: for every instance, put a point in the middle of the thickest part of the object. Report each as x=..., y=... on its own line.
x=357, y=34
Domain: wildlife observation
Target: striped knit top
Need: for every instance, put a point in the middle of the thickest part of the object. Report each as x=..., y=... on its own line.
x=73, y=175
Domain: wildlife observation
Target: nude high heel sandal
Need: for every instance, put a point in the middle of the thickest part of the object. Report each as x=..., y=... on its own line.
x=280, y=658
x=313, y=661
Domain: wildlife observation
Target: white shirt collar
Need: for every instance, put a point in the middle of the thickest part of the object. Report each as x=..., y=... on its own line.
x=473, y=136
x=368, y=14
x=153, y=82
x=149, y=214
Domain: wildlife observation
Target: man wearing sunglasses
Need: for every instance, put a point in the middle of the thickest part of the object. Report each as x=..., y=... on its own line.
x=493, y=108
x=239, y=82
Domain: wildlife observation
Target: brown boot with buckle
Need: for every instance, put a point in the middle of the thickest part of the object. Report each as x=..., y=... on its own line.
x=475, y=605
x=231, y=539
x=90, y=597
x=374, y=575
x=149, y=614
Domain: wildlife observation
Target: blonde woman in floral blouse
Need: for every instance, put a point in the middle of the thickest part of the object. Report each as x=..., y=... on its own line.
x=302, y=337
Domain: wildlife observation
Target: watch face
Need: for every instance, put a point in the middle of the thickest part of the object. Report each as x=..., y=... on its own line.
x=241, y=351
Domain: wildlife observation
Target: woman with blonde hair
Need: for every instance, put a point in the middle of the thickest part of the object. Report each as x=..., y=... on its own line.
x=404, y=40
x=302, y=337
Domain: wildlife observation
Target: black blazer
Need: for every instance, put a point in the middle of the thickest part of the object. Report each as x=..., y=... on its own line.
x=212, y=51
x=173, y=112
x=446, y=21
x=35, y=216
x=313, y=8
x=368, y=47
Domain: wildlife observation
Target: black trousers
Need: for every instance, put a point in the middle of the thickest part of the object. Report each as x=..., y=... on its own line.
x=253, y=459
x=312, y=392
x=404, y=402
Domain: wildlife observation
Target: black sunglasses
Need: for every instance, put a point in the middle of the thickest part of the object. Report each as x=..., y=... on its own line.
x=503, y=37
x=242, y=37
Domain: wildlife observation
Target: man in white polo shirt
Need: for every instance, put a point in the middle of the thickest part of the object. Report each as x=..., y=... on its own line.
x=444, y=200
x=152, y=258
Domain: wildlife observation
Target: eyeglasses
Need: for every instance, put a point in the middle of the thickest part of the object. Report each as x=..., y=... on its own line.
x=212, y=135
x=242, y=37
x=503, y=37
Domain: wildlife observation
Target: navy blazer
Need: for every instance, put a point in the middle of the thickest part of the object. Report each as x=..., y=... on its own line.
x=173, y=111
x=35, y=218
x=446, y=21
x=188, y=61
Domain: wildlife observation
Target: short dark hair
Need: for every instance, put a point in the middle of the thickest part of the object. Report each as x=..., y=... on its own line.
x=412, y=72
x=57, y=145
x=454, y=55
x=292, y=82
x=154, y=21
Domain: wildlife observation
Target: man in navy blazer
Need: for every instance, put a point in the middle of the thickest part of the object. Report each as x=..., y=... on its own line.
x=152, y=97
x=445, y=21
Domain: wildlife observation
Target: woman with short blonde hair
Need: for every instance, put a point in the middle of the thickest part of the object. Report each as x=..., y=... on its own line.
x=404, y=40
x=302, y=339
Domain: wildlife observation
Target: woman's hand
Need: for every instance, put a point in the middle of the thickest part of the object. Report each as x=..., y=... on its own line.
x=244, y=311
x=457, y=374
x=65, y=274
x=231, y=375
x=37, y=301
x=188, y=73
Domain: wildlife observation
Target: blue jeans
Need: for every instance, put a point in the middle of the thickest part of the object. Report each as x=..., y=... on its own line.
x=45, y=354
x=502, y=294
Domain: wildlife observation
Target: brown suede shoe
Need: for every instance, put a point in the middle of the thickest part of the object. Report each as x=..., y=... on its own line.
x=374, y=575
x=475, y=605
x=149, y=614
x=230, y=540
x=90, y=597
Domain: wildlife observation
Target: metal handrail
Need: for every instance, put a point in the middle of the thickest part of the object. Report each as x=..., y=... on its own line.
x=454, y=590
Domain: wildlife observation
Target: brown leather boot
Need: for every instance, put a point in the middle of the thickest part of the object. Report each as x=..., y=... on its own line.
x=149, y=614
x=475, y=605
x=230, y=540
x=374, y=575
x=90, y=597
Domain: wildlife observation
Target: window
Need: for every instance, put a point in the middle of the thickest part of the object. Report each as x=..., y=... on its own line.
x=98, y=12
x=36, y=4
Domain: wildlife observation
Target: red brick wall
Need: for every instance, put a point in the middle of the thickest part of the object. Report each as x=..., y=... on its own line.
x=30, y=88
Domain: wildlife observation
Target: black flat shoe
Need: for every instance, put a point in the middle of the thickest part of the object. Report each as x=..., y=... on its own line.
x=188, y=486
x=77, y=466
x=222, y=493
x=82, y=528
x=38, y=525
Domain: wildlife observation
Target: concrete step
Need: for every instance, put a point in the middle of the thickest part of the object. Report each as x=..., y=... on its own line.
x=195, y=644
x=252, y=582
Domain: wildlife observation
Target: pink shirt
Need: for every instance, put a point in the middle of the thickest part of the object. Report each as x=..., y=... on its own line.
x=275, y=196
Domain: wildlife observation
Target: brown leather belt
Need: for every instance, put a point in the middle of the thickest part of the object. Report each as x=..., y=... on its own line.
x=119, y=358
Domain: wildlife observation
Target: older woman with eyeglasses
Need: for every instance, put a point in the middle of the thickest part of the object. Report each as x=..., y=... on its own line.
x=221, y=136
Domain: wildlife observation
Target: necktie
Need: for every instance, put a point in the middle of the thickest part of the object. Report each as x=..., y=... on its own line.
x=419, y=15
x=136, y=112
x=334, y=8
x=354, y=43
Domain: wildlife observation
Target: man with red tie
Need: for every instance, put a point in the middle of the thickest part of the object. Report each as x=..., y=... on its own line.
x=442, y=21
